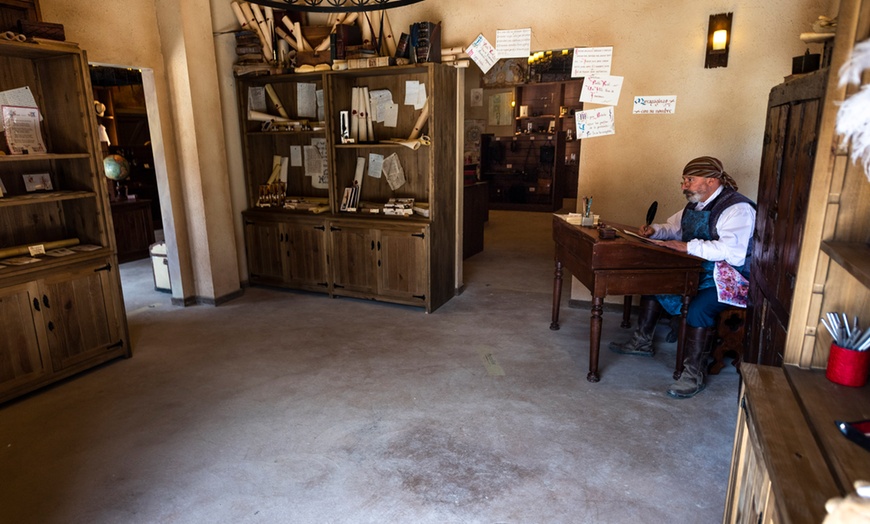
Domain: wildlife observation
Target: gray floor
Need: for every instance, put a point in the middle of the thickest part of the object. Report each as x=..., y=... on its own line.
x=292, y=407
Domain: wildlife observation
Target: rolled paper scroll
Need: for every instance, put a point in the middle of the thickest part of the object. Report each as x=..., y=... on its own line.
x=287, y=38
x=368, y=105
x=365, y=29
x=300, y=38
x=354, y=113
x=240, y=16
x=254, y=26
x=421, y=121
x=259, y=116
x=15, y=251
x=264, y=29
x=389, y=40
x=276, y=169
x=452, y=50
x=277, y=101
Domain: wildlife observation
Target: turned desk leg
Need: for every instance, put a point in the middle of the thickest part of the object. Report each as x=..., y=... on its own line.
x=678, y=367
x=626, y=311
x=557, y=296
x=595, y=339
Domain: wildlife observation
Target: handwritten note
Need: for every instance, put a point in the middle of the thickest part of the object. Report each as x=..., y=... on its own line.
x=591, y=61
x=595, y=122
x=483, y=54
x=513, y=43
x=601, y=90
x=655, y=105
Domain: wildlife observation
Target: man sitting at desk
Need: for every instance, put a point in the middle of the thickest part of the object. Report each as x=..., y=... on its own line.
x=716, y=224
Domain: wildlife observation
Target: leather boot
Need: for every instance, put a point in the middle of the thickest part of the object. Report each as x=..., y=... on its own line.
x=641, y=340
x=697, y=348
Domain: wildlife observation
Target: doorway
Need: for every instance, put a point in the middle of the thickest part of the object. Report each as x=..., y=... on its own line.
x=120, y=106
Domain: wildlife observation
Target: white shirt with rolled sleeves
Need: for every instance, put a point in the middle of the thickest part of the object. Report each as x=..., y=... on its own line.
x=735, y=227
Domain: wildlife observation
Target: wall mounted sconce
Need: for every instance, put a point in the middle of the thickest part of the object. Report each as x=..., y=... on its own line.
x=718, y=40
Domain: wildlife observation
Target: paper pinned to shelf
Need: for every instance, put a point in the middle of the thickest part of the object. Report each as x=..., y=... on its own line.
x=21, y=97
x=393, y=172
x=23, y=135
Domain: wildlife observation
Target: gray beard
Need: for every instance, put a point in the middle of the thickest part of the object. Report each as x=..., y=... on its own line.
x=692, y=197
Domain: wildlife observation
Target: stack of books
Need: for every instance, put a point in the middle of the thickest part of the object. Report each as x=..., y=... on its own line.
x=399, y=207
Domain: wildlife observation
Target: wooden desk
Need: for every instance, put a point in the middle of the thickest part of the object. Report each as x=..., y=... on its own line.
x=789, y=456
x=621, y=266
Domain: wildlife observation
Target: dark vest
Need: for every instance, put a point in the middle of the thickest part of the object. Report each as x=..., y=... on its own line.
x=702, y=224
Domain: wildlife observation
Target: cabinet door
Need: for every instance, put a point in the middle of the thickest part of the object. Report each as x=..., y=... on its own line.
x=352, y=259
x=80, y=316
x=266, y=251
x=20, y=359
x=306, y=256
x=403, y=264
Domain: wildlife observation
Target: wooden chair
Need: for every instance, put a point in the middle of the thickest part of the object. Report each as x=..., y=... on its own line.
x=730, y=338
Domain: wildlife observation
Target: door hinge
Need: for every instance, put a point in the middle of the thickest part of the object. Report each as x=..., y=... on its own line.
x=107, y=267
x=421, y=297
x=421, y=235
x=321, y=228
x=338, y=286
x=118, y=344
x=333, y=228
x=323, y=284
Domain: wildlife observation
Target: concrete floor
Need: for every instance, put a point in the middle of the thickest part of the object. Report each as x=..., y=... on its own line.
x=292, y=407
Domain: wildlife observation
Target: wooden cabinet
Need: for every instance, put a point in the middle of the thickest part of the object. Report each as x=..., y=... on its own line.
x=380, y=261
x=286, y=252
x=364, y=254
x=64, y=307
x=789, y=456
x=790, y=142
x=134, y=228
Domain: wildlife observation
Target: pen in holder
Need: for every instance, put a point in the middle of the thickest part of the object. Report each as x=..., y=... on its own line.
x=849, y=358
x=588, y=219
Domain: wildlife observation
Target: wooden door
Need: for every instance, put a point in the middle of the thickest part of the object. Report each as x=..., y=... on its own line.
x=403, y=264
x=787, y=160
x=306, y=256
x=20, y=359
x=80, y=317
x=352, y=262
x=266, y=251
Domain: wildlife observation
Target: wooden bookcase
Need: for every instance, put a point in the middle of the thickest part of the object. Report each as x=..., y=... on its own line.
x=60, y=314
x=405, y=260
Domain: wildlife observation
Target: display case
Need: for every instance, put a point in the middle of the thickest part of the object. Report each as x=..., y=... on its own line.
x=58, y=263
x=356, y=251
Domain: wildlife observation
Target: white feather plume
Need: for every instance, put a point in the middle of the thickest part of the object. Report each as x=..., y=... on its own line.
x=853, y=117
x=850, y=72
x=853, y=122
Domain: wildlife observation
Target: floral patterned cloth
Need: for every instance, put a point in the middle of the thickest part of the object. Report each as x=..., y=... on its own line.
x=731, y=287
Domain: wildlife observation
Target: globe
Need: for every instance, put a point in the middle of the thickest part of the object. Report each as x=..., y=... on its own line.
x=116, y=167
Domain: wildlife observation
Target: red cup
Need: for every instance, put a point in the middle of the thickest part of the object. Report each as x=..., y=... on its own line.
x=848, y=367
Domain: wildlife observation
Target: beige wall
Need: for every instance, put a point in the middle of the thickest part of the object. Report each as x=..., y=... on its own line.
x=658, y=48
x=172, y=41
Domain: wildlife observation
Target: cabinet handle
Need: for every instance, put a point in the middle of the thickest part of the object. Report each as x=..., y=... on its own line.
x=45, y=301
x=333, y=228
x=373, y=245
x=50, y=325
x=36, y=304
x=379, y=245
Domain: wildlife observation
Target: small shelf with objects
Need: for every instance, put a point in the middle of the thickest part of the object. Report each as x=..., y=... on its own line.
x=346, y=205
x=536, y=167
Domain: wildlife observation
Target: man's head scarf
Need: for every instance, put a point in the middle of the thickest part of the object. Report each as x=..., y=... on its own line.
x=709, y=167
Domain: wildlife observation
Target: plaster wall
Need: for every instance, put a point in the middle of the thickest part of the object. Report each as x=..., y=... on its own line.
x=171, y=41
x=658, y=47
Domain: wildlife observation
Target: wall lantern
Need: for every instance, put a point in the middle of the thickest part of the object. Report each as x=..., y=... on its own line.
x=718, y=40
